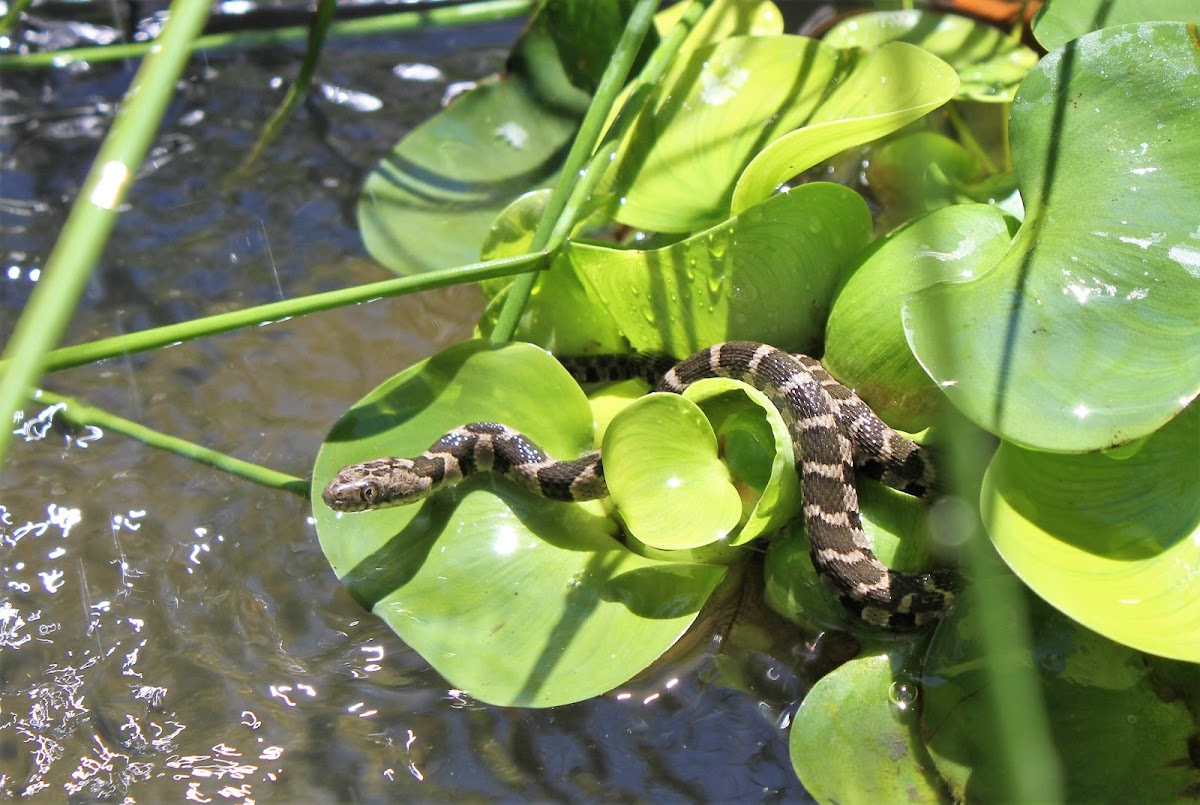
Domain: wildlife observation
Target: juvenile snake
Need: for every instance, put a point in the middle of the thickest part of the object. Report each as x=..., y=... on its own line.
x=834, y=434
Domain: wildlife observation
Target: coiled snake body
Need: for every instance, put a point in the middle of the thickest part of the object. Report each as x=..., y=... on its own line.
x=834, y=434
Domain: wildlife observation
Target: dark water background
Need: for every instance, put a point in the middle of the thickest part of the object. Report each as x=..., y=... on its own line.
x=168, y=633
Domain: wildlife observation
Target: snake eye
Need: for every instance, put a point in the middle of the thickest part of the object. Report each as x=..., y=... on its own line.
x=369, y=492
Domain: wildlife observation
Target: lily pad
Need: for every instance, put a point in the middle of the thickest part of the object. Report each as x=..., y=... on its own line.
x=514, y=599
x=989, y=62
x=1112, y=541
x=1058, y=22
x=870, y=711
x=865, y=344
x=883, y=91
x=1086, y=334
x=1116, y=739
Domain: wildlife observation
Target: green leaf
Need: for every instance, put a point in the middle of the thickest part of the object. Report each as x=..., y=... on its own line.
x=870, y=712
x=1117, y=738
x=865, y=344
x=428, y=204
x=703, y=124
x=515, y=599
x=586, y=33
x=1111, y=540
x=714, y=465
x=989, y=63
x=1060, y=21
x=767, y=275
x=884, y=90
x=757, y=447
x=664, y=475
x=1086, y=334
x=917, y=173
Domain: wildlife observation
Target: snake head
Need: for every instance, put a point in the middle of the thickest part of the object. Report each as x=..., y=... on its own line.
x=375, y=484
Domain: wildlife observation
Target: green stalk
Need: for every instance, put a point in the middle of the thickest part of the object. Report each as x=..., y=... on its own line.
x=82, y=415
x=157, y=337
x=94, y=212
x=15, y=8
x=298, y=89
x=470, y=14
x=590, y=132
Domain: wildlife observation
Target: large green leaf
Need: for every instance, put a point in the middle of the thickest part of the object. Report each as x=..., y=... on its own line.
x=1087, y=333
x=869, y=711
x=1121, y=734
x=865, y=344
x=989, y=62
x=883, y=91
x=428, y=204
x=515, y=599
x=1060, y=21
x=1111, y=540
x=766, y=275
x=676, y=171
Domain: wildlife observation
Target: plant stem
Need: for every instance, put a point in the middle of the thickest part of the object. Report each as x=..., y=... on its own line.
x=94, y=212
x=171, y=334
x=572, y=189
x=82, y=415
x=469, y=14
x=14, y=13
x=296, y=92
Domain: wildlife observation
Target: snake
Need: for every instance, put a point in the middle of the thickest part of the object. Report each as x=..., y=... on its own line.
x=835, y=434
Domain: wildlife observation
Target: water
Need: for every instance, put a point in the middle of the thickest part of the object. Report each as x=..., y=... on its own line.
x=168, y=632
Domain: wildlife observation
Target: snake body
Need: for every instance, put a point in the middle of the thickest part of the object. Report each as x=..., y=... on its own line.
x=834, y=434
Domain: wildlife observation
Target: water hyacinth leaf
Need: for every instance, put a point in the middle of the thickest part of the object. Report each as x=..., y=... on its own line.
x=917, y=173
x=517, y=600
x=1086, y=334
x=562, y=314
x=511, y=234
x=767, y=275
x=429, y=203
x=706, y=289
x=756, y=446
x=1060, y=21
x=870, y=713
x=865, y=344
x=988, y=61
x=676, y=170
x=665, y=477
x=586, y=33
x=884, y=90
x=723, y=19
x=1120, y=735
x=1112, y=542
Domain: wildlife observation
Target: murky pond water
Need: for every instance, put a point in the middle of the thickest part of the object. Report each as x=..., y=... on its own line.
x=168, y=632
